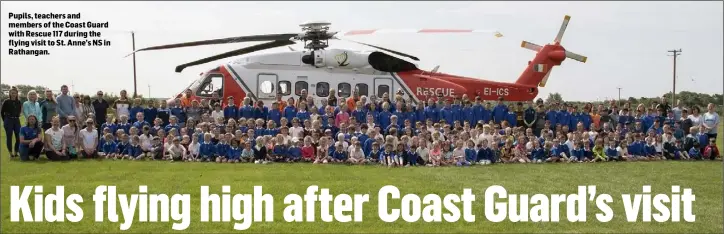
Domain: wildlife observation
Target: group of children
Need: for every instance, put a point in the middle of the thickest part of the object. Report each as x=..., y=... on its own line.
x=383, y=134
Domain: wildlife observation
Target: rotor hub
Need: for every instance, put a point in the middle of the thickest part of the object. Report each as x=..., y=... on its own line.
x=316, y=35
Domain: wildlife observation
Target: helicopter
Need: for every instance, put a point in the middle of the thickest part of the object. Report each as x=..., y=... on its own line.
x=319, y=68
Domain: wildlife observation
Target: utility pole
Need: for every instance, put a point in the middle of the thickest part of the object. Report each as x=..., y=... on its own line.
x=619, y=96
x=149, y=91
x=133, y=41
x=674, y=53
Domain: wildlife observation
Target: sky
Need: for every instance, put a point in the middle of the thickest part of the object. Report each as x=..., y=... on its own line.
x=626, y=42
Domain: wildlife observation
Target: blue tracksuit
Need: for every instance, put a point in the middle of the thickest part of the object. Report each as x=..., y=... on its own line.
x=246, y=111
x=179, y=113
x=447, y=114
x=234, y=153
x=261, y=112
x=586, y=119
x=108, y=147
x=539, y=154
x=374, y=155
x=207, y=150
x=512, y=119
x=222, y=149
x=384, y=118
x=149, y=114
x=133, y=151
x=275, y=115
x=431, y=112
x=499, y=113
x=339, y=155
x=132, y=112
x=294, y=153
x=478, y=113
x=401, y=116
x=552, y=116
x=360, y=115
x=612, y=153
x=126, y=127
x=303, y=115
x=279, y=150
x=111, y=126
x=231, y=112
x=290, y=112
x=564, y=118
x=485, y=154
x=579, y=154
x=471, y=155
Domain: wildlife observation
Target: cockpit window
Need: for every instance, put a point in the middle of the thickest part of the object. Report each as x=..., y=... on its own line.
x=212, y=84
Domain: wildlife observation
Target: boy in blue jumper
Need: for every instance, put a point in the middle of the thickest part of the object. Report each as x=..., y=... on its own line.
x=230, y=110
x=247, y=110
x=207, y=150
x=294, y=152
x=133, y=151
x=500, y=111
x=612, y=152
x=108, y=148
x=234, y=154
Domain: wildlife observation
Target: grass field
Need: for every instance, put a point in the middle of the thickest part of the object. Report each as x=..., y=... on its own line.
x=81, y=177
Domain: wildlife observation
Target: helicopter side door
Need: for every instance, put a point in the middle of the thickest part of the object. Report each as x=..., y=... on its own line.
x=267, y=86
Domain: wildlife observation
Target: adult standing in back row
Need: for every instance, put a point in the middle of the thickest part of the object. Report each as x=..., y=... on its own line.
x=66, y=105
x=48, y=107
x=11, y=121
x=122, y=105
x=100, y=106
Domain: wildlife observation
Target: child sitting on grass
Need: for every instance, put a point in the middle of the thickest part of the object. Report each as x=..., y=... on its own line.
x=108, y=149
x=598, y=151
x=234, y=154
x=356, y=156
x=247, y=154
x=711, y=151
x=176, y=152
x=308, y=150
x=294, y=152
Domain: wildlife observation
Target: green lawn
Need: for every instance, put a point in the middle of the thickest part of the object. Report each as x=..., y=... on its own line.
x=81, y=177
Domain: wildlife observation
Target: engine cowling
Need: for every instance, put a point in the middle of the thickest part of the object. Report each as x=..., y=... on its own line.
x=340, y=58
x=347, y=59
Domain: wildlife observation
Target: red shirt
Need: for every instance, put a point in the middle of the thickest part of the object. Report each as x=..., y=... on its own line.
x=308, y=152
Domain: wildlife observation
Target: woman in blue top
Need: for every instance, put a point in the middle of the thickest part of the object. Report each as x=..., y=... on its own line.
x=30, y=141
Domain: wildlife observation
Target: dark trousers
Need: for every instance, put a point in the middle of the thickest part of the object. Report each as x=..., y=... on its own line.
x=26, y=151
x=55, y=157
x=12, y=131
x=63, y=121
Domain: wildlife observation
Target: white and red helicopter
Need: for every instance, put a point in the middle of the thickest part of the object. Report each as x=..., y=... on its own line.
x=317, y=69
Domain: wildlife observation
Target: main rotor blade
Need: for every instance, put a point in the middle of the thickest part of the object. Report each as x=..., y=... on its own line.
x=267, y=37
x=245, y=50
x=576, y=57
x=563, y=29
x=385, y=49
x=424, y=30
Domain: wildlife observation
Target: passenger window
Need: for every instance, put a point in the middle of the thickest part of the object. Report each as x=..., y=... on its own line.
x=266, y=87
x=213, y=84
x=285, y=87
x=322, y=89
x=382, y=89
x=345, y=90
x=362, y=89
x=299, y=86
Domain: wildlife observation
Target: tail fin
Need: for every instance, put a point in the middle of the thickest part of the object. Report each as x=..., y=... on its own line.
x=548, y=56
